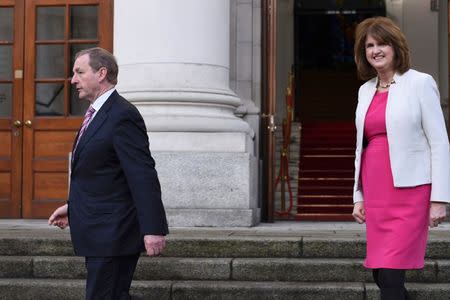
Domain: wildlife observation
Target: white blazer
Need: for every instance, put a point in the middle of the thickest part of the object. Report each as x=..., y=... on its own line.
x=418, y=142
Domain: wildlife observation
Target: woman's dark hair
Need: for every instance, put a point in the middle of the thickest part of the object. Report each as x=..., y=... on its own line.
x=383, y=30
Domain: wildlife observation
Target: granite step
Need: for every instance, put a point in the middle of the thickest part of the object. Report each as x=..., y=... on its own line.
x=50, y=289
x=240, y=269
x=325, y=244
x=300, y=261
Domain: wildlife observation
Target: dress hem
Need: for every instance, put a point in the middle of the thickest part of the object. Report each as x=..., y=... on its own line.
x=415, y=267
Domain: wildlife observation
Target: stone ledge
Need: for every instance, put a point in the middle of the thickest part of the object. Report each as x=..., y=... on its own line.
x=35, y=246
x=183, y=268
x=16, y=267
x=221, y=243
x=339, y=247
x=418, y=291
x=233, y=247
x=44, y=289
x=322, y=269
x=266, y=290
x=245, y=269
x=212, y=217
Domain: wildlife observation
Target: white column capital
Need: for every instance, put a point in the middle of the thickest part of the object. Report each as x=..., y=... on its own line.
x=177, y=72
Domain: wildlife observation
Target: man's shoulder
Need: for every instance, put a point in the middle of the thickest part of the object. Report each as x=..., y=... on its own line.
x=124, y=108
x=119, y=99
x=122, y=104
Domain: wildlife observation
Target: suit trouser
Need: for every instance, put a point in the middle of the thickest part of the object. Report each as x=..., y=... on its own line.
x=109, y=278
x=391, y=283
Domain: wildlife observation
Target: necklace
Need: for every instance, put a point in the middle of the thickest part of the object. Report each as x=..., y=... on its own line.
x=387, y=85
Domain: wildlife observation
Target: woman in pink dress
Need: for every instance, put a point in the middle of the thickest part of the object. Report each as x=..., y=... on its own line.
x=402, y=164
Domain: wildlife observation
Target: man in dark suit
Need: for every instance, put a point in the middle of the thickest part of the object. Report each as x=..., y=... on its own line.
x=114, y=208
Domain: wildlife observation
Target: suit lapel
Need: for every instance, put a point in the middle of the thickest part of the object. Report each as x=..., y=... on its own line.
x=94, y=126
x=100, y=117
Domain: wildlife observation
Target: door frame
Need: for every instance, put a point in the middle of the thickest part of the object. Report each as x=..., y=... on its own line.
x=19, y=49
x=14, y=166
x=65, y=123
x=269, y=9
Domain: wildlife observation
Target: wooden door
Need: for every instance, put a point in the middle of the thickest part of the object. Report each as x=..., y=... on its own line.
x=55, y=30
x=11, y=82
x=268, y=108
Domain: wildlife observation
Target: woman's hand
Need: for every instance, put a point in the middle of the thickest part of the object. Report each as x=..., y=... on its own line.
x=438, y=212
x=359, y=213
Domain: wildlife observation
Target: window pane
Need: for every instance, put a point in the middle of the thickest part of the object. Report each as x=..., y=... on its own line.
x=77, y=107
x=50, y=61
x=84, y=22
x=5, y=99
x=49, y=99
x=6, y=52
x=74, y=49
x=6, y=24
x=50, y=23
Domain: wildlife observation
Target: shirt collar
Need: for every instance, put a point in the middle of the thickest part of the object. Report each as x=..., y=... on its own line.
x=98, y=103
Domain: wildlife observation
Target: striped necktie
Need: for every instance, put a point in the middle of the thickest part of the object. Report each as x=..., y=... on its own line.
x=87, y=119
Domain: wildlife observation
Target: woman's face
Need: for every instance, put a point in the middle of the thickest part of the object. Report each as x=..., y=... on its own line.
x=379, y=55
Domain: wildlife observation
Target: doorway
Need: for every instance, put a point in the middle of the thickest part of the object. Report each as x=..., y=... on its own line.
x=315, y=39
x=39, y=111
x=324, y=60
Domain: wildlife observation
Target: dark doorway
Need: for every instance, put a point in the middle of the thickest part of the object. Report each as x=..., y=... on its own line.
x=325, y=102
x=325, y=69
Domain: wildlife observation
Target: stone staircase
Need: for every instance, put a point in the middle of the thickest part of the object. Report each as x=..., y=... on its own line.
x=300, y=261
x=322, y=188
x=327, y=157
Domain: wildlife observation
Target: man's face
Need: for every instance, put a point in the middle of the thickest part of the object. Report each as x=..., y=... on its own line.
x=86, y=80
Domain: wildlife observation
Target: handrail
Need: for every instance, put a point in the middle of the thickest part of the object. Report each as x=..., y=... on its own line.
x=283, y=177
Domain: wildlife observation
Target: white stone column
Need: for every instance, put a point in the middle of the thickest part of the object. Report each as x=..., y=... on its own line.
x=173, y=60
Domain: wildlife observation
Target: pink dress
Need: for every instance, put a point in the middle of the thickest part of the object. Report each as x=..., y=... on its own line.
x=396, y=218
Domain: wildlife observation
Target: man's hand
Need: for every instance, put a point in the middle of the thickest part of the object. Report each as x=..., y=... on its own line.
x=59, y=217
x=359, y=213
x=437, y=213
x=154, y=244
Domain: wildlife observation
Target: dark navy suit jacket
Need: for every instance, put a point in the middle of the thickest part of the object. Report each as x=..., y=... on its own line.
x=115, y=195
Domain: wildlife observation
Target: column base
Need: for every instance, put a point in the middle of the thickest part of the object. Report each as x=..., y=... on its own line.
x=209, y=188
x=185, y=217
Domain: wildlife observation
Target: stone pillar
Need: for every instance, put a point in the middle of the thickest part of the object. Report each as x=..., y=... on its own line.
x=173, y=60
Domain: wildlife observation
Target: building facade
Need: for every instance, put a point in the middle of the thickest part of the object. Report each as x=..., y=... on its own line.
x=201, y=72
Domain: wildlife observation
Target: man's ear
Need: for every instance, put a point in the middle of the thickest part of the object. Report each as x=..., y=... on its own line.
x=102, y=72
